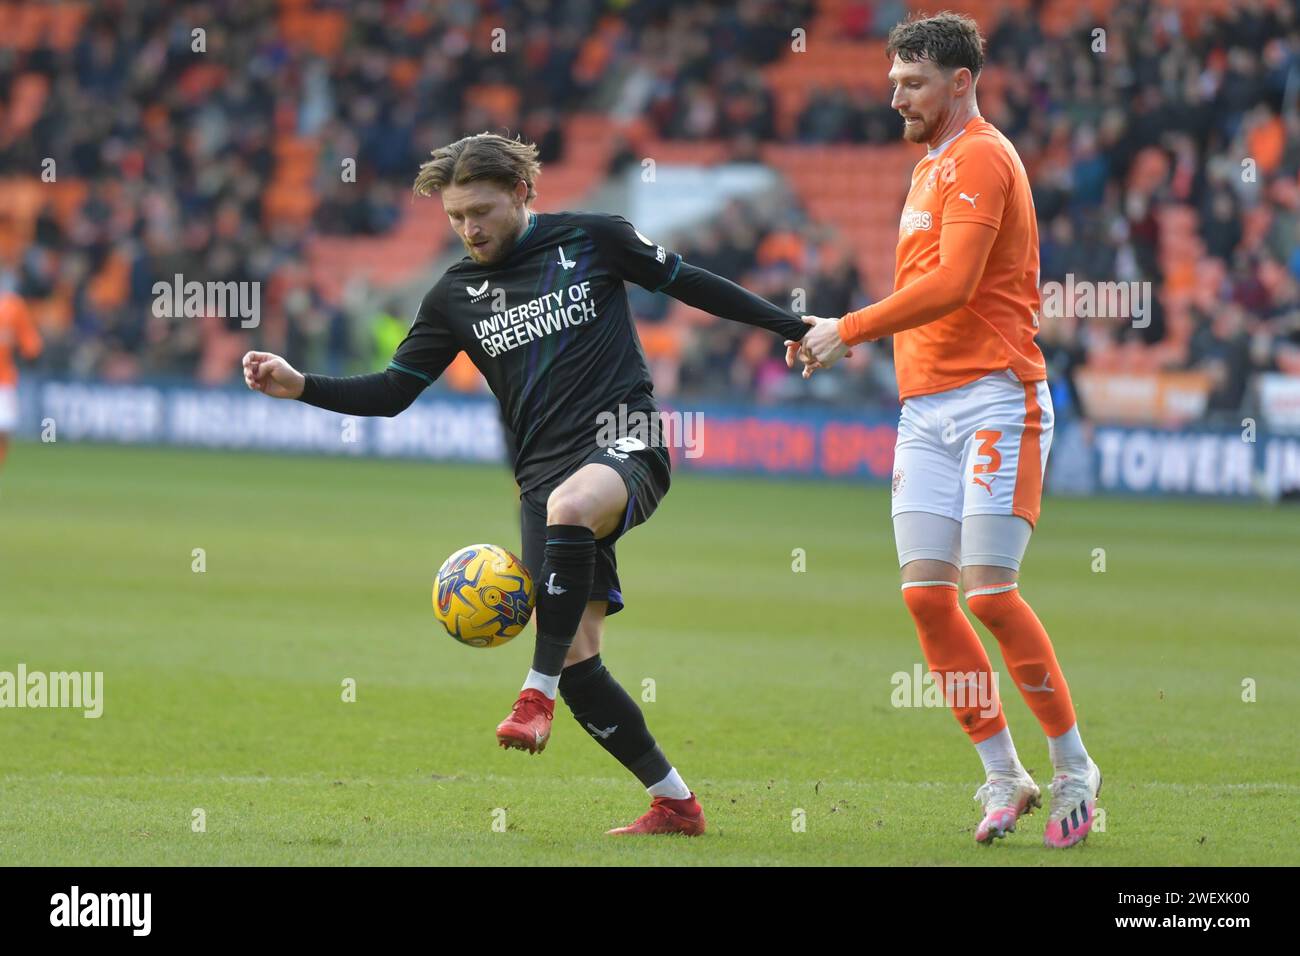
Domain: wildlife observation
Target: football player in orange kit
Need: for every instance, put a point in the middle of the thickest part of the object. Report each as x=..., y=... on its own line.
x=976, y=422
x=16, y=329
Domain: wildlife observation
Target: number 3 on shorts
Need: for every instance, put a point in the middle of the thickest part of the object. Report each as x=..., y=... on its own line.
x=987, y=450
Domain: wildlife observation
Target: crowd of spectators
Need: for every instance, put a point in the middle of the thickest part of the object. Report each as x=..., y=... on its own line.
x=1215, y=99
x=178, y=151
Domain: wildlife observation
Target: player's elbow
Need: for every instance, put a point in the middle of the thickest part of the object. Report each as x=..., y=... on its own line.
x=396, y=406
x=400, y=393
x=961, y=300
x=959, y=292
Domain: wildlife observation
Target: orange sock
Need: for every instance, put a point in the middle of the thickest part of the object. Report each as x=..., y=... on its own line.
x=951, y=647
x=1028, y=653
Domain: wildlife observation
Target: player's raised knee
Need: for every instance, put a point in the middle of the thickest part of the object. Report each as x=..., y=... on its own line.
x=572, y=506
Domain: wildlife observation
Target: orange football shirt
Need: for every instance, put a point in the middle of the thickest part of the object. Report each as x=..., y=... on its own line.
x=977, y=177
x=16, y=329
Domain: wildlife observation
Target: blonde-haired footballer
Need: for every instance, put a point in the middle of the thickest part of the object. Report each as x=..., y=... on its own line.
x=976, y=422
x=539, y=305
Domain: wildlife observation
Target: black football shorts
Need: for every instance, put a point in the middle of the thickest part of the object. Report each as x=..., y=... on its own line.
x=646, y=471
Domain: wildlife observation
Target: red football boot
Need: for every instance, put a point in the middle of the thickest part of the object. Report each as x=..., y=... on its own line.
x=667, y=816
x=529, y=725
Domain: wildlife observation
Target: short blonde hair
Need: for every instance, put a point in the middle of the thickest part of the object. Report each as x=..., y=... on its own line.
x=481, y=156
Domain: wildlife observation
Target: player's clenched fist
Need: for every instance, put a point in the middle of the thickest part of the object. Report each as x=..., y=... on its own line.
x=272, y=375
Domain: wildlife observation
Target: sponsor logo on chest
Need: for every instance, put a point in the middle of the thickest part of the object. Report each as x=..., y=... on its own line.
x=543, y=315
x=914, y=219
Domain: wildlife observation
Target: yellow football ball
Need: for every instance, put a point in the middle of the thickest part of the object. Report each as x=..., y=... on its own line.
x=483, y=595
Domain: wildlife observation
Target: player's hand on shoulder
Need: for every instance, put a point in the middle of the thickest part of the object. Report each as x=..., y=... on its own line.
x=821, y=347
x=271, y=375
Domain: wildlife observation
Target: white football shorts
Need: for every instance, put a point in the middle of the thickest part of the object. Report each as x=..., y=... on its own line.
x=980, y=449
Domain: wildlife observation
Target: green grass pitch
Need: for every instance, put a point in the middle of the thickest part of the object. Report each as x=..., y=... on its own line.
x=223, y=689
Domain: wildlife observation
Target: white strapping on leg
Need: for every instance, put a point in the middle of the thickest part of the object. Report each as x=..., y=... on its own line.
x=992, y=589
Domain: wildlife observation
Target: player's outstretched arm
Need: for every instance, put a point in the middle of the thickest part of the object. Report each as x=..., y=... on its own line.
x=964, y=249
x=638, y=259
x=721, y=297
x=383, y=393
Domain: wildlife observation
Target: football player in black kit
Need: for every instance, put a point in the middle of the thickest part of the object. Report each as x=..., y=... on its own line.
x=539, y=305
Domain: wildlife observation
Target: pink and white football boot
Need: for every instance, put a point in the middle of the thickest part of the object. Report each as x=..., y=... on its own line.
x=1074, y=806
x=1006, y=798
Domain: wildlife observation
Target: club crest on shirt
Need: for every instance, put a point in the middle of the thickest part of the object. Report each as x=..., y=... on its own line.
x=947, y=169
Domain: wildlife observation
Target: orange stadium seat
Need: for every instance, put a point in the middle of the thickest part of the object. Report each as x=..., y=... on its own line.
x=1180, y=248
x=499, y=101
x=1149, y=170
x=598, y=49
x=53, y=315
x=686, y=153
x=383, y=260
x=111, y=285
x=321, y=31
x=404, y=72
x=285, y=204
x=1192, y=14
x=68, y=196
x=423, y=231
x=984, y=12
x=582, y=169
x=24, y=25
x=65, y=24
x=462, y=375
x=1265, y=143
x=20, y=200
x=835, y=187
x=661, y=340
x=835, y=64
x=26, y=102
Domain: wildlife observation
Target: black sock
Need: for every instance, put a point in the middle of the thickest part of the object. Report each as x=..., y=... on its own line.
x=562, y=593
x=609, y=714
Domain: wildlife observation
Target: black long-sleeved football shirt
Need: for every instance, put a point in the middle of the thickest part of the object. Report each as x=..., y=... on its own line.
x=550, y=329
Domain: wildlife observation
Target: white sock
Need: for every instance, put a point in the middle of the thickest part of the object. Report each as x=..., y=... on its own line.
x=1067, y=751
x=671, y=786
x=999, y=754
x=547, y=684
